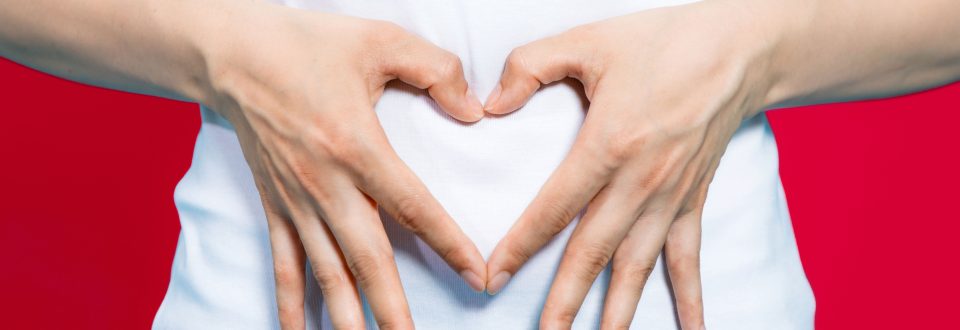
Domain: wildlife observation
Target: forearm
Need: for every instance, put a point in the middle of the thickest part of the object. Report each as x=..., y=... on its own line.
x=836, y=50
x=145, y=46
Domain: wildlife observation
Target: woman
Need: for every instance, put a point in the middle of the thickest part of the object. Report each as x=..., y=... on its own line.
x=299, y=97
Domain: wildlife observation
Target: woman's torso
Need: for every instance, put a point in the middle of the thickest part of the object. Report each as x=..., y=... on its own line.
x=484, y=175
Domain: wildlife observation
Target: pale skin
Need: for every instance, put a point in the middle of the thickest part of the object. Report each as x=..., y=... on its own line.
x=299, y=87
x=667, y=90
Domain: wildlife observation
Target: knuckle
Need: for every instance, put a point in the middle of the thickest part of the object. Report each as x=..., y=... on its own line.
x=658, y=175
x=305, y=173
x=285, y=275
x=689, y=209
x=325, y=138
x=329, y=280
x=623, y=145
x=686, y=210
x=557, y=317
x=636, y=272
x=679, y=181
x=368, y=266
x=556, y=216
x=340, y=143
x=396, y=322
x=519, y=253
x=445, y=69
x=456, y=256
x=691, y=307
x=694, y=208
x=409, y=209
x=589, y=259
x=289, y=315
x=449, y=68
x=517, y=60
x=679, y=260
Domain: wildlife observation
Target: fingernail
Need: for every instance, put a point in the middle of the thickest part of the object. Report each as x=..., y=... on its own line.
x=494, y=96
x=474, y=281
x=473, y=103
x=497, y=283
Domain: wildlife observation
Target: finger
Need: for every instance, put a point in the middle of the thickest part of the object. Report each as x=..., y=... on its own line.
x=426, y=66
x=590, y=248
x=356, y=226
x=288, y=260
x=566, y=192
x=527, y=68
x=637, y=256
x=402, y=195
x=682, y=252
x=633, y=262
x=337, y=285
x=329, y=269
x=288, y=268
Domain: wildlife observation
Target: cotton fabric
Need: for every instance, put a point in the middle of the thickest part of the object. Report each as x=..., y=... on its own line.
x=485, y=174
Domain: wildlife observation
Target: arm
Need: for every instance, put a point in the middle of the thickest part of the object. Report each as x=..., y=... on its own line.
x=836, y=50
x=668, y=89
x=299, y=87
x=150, y=47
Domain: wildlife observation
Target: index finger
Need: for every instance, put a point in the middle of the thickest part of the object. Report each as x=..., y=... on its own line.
x=530, y=66
x=353, y=220
x=574, y=183
x=402, y=195
x=423, y=65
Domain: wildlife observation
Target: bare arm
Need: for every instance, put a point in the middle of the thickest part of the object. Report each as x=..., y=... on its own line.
x=152, y=47
x=299, y=87
x=668, y=89
x=836, y=50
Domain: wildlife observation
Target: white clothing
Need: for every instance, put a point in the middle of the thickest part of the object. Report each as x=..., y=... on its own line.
x=485, y=175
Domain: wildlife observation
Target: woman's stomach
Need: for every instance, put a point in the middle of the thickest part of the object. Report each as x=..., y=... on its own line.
x=484, y=175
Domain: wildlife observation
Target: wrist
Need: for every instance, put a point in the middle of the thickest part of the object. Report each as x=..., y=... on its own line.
x=748, y=34
x=789, y=25
x=194, y=31
x=759, y=35
x=226, y=34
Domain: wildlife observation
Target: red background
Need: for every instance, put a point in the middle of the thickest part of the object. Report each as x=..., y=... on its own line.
x=88, y=226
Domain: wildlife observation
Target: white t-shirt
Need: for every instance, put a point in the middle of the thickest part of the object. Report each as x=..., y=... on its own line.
x=485, y=175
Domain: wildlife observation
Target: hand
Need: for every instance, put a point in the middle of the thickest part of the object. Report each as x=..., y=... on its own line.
x=667, y=90
x=300, y=88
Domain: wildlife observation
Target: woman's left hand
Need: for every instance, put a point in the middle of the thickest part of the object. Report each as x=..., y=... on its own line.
x=667, y=89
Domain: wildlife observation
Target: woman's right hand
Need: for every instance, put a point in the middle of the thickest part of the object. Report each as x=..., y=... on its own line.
x=300, y=88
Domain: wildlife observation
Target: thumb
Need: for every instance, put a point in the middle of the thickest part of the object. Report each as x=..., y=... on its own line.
x=530, y=66
x=423, y=65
